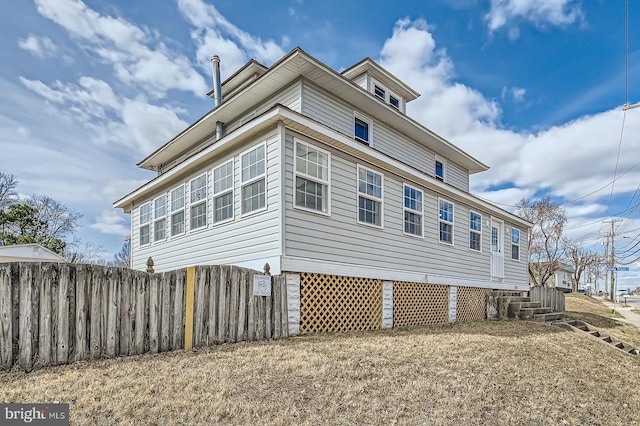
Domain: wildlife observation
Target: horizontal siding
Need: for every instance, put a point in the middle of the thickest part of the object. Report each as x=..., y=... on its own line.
x=243, y=239
x=289, y=97
x=327, y=110
x=338, y=115
x=514, y=270
x=457, y=176
x=339, y=238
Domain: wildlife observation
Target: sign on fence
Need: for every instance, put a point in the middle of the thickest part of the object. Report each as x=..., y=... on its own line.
x=262, y=285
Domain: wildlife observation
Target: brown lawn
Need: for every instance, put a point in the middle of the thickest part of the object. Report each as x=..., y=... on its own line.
x=592, y=311
x=493, y=373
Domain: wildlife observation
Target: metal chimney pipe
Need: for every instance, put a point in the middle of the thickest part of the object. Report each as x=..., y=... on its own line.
x=217, y=92
x=217, y=84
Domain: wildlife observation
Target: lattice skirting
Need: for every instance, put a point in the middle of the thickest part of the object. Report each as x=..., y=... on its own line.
x=472, y=304
x=420, y=304
x=336, y=303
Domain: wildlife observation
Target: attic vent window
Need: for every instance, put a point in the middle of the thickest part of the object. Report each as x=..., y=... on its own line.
x=394, y=102
x=379, y=91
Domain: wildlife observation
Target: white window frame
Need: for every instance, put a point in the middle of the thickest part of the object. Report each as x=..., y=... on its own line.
x=177, y=210
x=326, y=182
x=451, y=223
x=475, y=231
x=406, y=210
x=223, y=192
x=370, y=197
x=387, y=95
x=197, y=202
x=515, y=244
x=144, y=224
x=442, y=161
x=157, y=218
x=252, y=180
x=369, y=122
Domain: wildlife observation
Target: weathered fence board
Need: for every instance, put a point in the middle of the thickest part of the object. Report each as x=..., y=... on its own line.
x=56, y=313
x=6, y=317
x=549, y=297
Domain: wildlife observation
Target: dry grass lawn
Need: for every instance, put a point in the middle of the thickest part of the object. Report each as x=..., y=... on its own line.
x=592, y=311
x=490, y=373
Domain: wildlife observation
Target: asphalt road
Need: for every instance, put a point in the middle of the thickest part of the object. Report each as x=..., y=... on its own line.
x=633, y=301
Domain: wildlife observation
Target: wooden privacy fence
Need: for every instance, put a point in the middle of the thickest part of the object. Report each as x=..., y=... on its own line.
x=57, y=313
x=549, y=297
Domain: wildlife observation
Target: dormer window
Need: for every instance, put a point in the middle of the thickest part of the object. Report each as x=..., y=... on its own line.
x=394, y=102
x=386, y=96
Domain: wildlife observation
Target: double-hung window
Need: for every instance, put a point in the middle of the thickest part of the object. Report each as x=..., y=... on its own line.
x=223, y=192
x=253, y=175
x=198, y=202
x=515, y=244
x=369, y=197
x=145, y=220
x=160, y=218
x=412, y=211
x=362, y=129
x=312, y=178
x=177, y=211
x=445, y=221
x=475, y=231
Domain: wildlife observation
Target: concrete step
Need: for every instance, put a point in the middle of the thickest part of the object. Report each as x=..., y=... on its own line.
x=514, y=299
x=552, y=316
x=530, y=313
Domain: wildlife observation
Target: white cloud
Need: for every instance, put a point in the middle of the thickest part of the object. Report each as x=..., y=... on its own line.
x=111, y=119
x=40, y=47
x=111, y=222
x=538, y=12
x=215, y=35
x=568, y=161
x=134, y=53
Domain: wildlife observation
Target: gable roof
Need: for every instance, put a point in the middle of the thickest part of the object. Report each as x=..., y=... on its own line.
x=297, y=63
x=28, y=253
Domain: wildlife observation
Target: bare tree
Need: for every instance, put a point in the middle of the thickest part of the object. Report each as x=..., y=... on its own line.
x=122, y=259
x=78, y=252
x=62, y=221
x=545, y=241
x=580, y=258
x=8, y=194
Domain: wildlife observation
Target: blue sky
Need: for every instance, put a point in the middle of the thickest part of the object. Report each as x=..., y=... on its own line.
x=533, y=88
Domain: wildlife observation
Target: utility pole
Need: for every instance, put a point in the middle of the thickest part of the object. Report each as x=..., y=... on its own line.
x=612, y=261
x=606, y=276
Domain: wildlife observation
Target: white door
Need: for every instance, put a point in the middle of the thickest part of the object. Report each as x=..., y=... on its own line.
x=497, y=252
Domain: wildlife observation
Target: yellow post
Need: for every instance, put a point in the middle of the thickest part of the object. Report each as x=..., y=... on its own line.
x=189, y=300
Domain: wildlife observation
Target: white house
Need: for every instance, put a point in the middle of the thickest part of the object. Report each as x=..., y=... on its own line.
x=317, y=171
x=28, y=253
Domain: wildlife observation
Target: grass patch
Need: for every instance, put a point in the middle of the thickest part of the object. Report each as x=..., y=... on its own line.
x=490, y=373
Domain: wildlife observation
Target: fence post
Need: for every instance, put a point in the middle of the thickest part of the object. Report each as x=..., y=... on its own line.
x=387, y=304
x=293, y=303
x=189, y=299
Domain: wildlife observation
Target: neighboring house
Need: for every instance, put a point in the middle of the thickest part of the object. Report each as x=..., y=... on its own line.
x=318, y=171
x=562, y=277
x=28, y=253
